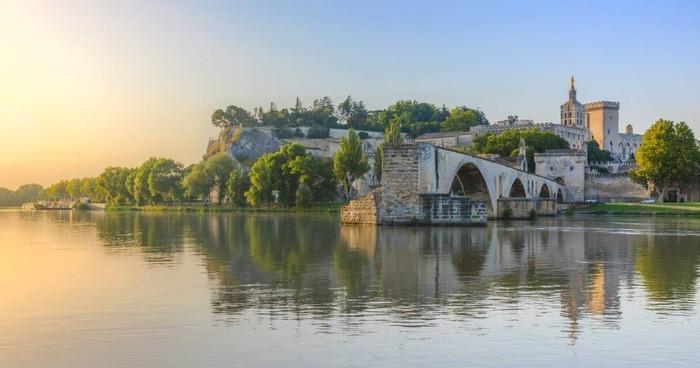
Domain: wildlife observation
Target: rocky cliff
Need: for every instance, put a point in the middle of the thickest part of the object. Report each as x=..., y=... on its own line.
x=244, y=144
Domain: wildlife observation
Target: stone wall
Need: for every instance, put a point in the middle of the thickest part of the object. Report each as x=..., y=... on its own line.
x=444, y=209
x=364, y=210
x=614, y=188
x=522, y=207
x=400, y=183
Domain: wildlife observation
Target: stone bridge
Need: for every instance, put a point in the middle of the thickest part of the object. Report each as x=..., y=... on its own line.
x=412, y=170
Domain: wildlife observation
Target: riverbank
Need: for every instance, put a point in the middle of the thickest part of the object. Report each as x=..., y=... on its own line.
x=641, y=209
x=318, y=208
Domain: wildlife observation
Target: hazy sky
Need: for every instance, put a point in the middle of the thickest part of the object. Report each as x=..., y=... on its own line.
x=87, y=84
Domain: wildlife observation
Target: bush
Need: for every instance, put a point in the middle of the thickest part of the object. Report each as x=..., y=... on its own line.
x=507, y=213
x=283, y=133
x=363, y=135
x=569, y=211
x=533, y=214
x=318, y=131
x=81, y=206
x=298, y=133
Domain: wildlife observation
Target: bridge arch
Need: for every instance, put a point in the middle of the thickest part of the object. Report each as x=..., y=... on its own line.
x=544, y=191
x=517, y=190
x=468, y=181
x=560, y=196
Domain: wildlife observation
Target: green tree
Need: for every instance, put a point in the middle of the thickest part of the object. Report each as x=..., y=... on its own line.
x=462, y=118
x=317, y=182
x=392, y=134
x=165, y=180
x=219, y=167
x=137, y=183
x=7, y=198
x=198, y=183
x=28, y=193
x=232, y=116
x=507, y=143
x=349, y=163
x=668, y=155
x=595, y=154
x=271, y=173
x=73, y=188
x=113, y=183
x=378, y=161
x=238, y=183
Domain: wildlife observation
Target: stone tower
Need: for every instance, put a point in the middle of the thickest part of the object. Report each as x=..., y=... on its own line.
x=522, y=155
x=572, y=110
x=602, y=119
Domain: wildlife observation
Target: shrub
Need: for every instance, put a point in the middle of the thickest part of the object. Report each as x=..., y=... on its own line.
x=283, y=133
x=298, y=133
x=318, y=131
x=533, y=214
x=569, y=211
x=507, y=213
x=363, y=135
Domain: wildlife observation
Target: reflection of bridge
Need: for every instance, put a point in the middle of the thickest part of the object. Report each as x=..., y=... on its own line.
x=414, y=170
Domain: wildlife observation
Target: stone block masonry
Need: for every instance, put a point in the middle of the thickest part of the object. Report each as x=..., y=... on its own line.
x=400, y=180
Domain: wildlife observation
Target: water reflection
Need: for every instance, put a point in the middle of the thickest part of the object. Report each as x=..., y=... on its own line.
x=309, y=267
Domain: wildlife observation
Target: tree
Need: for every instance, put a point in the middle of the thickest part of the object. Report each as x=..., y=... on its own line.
x=137, y=183
x=7, y=198
x=344, y=110
x=378, y=161
x=349, y=163
x=165, y=180
x=462, y=118
x=317, y=182
x=270, y=173
x=198, y=182
x=595, y=154
x=73, y=188
x=233, y=116
x=392, y=134
x=28, y=193
x=238, y=183
x=507, y=143
x=113, y=183
x=219, y=167
x=668, y=155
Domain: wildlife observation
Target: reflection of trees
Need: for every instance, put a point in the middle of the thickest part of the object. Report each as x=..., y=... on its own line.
x=669, y=269
x=312, y=267
x=159, y=236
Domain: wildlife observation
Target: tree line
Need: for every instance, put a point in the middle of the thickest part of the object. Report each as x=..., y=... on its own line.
x=413, y=117
x=288, y=177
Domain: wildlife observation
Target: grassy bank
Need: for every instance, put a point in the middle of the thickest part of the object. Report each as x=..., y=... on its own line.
x=640, y=209
x=318, y=208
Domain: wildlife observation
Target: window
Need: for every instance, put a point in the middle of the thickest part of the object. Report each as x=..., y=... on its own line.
x=551, y=168
x=571, y=168
x=608, y=131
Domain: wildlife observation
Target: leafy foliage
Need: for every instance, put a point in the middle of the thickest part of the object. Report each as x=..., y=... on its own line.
x=462, y=118
x=595, y=154
x=349, y=163
x=285, y=172
x=668, y=154
x=507, y=143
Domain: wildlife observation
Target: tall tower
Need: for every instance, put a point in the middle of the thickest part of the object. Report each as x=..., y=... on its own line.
x=572, y=110
x=602, y=119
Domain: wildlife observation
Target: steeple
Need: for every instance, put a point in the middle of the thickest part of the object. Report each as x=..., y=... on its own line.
x=572, y=90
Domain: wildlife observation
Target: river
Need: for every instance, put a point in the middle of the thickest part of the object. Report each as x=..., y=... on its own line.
x=284, y=290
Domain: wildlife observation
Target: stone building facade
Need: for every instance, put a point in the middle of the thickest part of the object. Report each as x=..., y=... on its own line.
x=566, y=167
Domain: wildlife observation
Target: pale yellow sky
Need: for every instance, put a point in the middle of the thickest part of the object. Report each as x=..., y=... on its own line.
x=71, y=104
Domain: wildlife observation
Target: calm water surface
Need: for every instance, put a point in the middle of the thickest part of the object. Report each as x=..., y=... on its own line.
x=221, y=290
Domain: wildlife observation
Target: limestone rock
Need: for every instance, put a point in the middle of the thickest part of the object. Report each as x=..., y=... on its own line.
x=253, y=143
